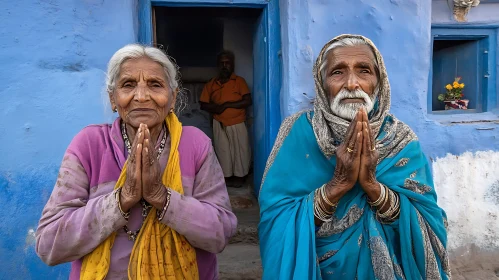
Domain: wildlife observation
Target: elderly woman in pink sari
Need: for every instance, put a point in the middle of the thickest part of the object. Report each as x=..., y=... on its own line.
x=144, y=197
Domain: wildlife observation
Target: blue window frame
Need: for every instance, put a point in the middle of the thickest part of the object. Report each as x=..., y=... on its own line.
x=468, y=52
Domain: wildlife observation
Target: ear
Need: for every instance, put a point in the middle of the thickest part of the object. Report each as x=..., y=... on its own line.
x=111, y=100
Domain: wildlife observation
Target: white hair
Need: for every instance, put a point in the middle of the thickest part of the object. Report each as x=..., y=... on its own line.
x=133, y=51
x=137, y=51
x=345, y=42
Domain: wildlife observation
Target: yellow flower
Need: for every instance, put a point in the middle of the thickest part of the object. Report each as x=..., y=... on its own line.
x=461, y=85
x=449, y=87
x=455, y=84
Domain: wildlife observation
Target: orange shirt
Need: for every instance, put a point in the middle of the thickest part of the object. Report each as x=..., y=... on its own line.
x=233, y=90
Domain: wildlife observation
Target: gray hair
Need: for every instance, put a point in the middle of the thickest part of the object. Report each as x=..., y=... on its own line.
x=133, y=51
x=345, y=42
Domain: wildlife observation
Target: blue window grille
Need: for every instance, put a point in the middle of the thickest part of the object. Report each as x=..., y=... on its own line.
x=469, y=53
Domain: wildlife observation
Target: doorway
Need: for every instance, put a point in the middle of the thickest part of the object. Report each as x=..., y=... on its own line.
x=251, y=28
x=193, y=32
x=194, y=37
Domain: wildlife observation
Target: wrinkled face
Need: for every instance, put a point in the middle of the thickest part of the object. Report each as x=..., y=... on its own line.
x=142, y=93
x=350, y=80
x=225, y=66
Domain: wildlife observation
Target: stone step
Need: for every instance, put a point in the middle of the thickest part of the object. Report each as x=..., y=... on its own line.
x=245, y=207
x=245, y=234
x=241, y=258
x=240, y=261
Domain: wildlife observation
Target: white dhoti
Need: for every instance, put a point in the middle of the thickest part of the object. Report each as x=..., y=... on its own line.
x=232, y=148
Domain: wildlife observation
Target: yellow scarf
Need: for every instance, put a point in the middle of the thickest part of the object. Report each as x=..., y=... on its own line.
x=159, y=251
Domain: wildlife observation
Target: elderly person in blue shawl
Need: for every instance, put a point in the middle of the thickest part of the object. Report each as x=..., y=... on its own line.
x=347, y=192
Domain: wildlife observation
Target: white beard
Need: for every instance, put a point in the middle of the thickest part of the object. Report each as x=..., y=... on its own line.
x=349, y=110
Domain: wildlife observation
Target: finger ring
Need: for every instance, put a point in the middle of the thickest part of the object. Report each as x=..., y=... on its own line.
x=373, y=149
x=349, y=150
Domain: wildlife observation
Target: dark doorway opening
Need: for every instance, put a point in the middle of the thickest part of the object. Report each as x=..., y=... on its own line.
x=193, y=37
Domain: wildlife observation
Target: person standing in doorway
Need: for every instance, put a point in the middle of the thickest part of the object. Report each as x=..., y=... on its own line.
x=226, y=97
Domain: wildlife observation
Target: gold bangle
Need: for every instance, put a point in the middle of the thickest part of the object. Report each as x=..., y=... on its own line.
x=319, y=212
x=386, y=198
x=394, y=206
x=380, y=198
x=320, y=202
x=394, y=216
x=325, y=208
x=324, y=196
x=392, y=202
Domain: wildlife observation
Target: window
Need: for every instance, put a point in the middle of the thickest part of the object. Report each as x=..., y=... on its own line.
x=465, y=53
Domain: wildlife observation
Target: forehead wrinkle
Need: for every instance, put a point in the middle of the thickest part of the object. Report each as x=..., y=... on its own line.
x=130, y=67
x=125, y=77
x=142, y=76
x=338, y=64
x=154, y=77
x=364, y=64
x=345, y=59
x=360, y=51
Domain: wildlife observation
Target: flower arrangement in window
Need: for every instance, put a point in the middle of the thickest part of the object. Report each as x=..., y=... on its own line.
x=453, y=98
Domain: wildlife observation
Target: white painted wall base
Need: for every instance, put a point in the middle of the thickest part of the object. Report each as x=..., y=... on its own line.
x=468, y=190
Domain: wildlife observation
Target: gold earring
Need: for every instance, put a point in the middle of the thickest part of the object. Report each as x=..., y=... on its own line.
x=115, y=109
x=171, y=110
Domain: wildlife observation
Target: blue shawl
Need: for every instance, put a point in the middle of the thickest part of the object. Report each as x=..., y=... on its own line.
x=354, y=245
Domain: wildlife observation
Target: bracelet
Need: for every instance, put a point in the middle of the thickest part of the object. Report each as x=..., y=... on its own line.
x=320, y=200
x=394, y=216
x=319, y=211
x=321, y=215
x=393, y=211
x=380, y=198
x=388, y=220
x=325, y=208
x=117, y=195
x=161, y=214
x=324, y=197
x=386, y=198
x=390, y=209
x=394, y=206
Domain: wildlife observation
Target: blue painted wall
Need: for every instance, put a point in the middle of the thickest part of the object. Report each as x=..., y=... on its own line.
x=53, y=56
x=402, y=32
x=52, y=61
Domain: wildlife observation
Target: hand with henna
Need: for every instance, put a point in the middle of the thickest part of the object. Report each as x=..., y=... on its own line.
x=153, y=190
x=356, y=161
x=131, y=192
x=368, y=162
x=348, y=161
x=369, y=156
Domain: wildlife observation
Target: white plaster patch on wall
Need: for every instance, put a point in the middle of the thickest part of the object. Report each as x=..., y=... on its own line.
x=30, y=239
x=468, y=190
x=307, y=53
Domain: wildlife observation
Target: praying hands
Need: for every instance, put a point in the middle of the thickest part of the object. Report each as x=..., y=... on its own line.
x=356, y=161
x=143, y=180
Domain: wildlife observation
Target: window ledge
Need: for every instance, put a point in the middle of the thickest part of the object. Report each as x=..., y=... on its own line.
x=465, y=118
